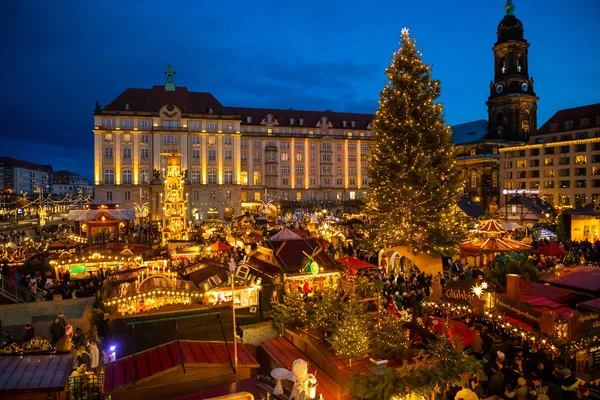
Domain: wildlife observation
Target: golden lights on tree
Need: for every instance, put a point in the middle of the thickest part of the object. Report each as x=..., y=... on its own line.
x=415, y=183
x=174, y=201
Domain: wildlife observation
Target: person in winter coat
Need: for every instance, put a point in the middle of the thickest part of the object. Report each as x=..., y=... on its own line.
x=94, y=356
x=28, y=332
x=57, y=330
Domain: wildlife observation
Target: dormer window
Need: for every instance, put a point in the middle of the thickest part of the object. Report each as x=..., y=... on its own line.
x=344, y=123
x=291, y=121
x=301, y=120
x=324, y=121
x=568, y=124
x=210, y=110
x=583, y=123
x=127, y=106
x=353, y=123
x=269, y=119
x=248, y=120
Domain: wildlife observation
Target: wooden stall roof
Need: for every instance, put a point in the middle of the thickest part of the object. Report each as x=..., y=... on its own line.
x=284, y=354
x=45, y=373
x=539, y=295
x=576, y=278
x=167, y=357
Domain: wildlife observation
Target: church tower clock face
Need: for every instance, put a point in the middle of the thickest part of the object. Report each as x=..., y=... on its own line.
x=511, y=93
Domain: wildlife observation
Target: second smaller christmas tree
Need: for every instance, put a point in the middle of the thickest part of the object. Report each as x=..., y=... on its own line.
x=351, y=338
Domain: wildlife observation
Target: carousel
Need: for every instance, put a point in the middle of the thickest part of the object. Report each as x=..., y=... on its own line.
x=480, y=251
x=150, y=287
x=80, y=266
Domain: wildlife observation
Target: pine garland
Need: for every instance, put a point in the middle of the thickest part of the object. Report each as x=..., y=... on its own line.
x=415, y=184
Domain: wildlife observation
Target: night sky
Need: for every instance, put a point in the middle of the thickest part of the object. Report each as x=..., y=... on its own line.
x=58, y=58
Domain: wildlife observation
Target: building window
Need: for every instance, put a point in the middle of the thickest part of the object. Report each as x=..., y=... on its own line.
x=299, y=181
x=257, y=144
x=228, y=195
x=170, y=139
x=326, y=146
x=256, y=178
x=243, y=156
x=256, y=157
x=580, y=200
x=299, y=169
x=212, y=177
x=473, y=180
x=108, y=122
x=580, y=160
x=244, y=177
x=339, y=182
x=227, y=127
x=285, y=181
x=521, y=163
x=211, y=126
x=243, y=143
x=212, y=194
x=196, y=194
x=228, y=177
x=145, y=176
x=196, y=153
x=195, y=177
x=364, y=147
x=568, y=124
x=365, y=181
x=352, y=181
x=326, y=157
x=299, y=145
x=338, y=146
x=285, y=145
x=127, y=195
x=126, y=152
x=313, y=181
x=298, y=156
x=352, y=146
x=212, y=154
x=109, y=195
x=195, y=139
x=109, y=176
x=352, y=195
x=144, y=138
x=285, y=156
x=256, y=196
x=244, y=196
x=144, y=153
x=144, y=123
x=285, y=169
x=127, y=177
x=299, y=196
x=339, y=157
x=108, y=153
x=351, y=170
x=228, y=154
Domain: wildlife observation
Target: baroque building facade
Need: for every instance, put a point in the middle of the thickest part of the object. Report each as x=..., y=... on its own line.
x=235, y=158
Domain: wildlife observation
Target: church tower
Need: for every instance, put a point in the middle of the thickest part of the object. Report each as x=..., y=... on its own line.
x=512, y=104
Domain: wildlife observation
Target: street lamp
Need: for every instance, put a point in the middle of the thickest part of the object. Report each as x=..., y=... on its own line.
x=232, y=268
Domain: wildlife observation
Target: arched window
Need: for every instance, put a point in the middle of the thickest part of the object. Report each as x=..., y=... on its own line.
x=127, y=177
x=145, y=176
x=212, y=177
x=473, y=180
x=109, y=176
x=228, y=177
x=195, y=176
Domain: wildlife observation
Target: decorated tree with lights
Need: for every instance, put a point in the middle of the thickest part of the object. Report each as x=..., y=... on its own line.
x=351, y=337
x=291, y=312
x=390, y=339
x=327, y=311
x=414, y=184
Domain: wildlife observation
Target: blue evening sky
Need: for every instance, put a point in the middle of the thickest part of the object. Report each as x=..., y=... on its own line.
x=59, y=57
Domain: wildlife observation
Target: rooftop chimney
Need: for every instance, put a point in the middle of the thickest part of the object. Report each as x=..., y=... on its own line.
x=513, y=286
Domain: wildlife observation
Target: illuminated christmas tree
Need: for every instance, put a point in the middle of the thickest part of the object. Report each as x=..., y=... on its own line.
x=351, y=338
x=327, y=311
x=174, y=201
x=415, y=185
x=291, y=312
x=390, y=339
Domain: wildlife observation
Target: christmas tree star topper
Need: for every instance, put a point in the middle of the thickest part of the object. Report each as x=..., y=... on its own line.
x=404, y=32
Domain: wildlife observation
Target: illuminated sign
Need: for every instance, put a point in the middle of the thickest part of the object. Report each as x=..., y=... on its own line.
x=520, y=191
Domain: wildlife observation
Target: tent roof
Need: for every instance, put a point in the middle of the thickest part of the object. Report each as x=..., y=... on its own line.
x=353, y=263
x=492, y=245
x=551, y=249
x=285, y=234
x=219, y=246
x=492, y=226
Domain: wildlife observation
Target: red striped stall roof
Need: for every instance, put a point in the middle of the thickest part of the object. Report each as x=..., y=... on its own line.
x=45, y=373
x=166, y=357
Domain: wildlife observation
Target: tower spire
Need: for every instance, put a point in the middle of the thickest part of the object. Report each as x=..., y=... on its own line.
x=509, y=7
x=170, y=83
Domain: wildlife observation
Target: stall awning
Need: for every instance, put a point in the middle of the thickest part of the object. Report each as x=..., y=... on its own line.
x=576, y=278
x=551, y=249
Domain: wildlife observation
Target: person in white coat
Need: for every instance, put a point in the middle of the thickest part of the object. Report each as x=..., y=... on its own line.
x=94, y=356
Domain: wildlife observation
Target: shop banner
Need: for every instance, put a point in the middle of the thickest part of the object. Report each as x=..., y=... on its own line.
x=524, y=312
x=459, y=291
x=584, y=323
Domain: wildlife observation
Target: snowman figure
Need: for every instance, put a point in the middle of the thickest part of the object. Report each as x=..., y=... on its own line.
x=305, y=384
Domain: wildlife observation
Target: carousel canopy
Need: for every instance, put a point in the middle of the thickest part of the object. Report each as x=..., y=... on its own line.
x=219, y=246
x=285, y=234
x=492, y=227
x=492, y=245
x=551, y=249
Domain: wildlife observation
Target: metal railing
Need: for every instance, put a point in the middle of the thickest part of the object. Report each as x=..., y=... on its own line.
x=86, y=386
x=19, y=294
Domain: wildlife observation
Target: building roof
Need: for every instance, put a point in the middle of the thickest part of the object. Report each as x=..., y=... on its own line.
x=576, y=278
x=539, y=295
x=588, y=209
x=66, y=177
x=268, y=268
x=576, y=114
x=535, y=205
x=11, y=162
x=291, y=254
x=122, y=214
x=168, y=357
x=469, y=132
x=470, y=208
x=44, y=373
x=285, y=234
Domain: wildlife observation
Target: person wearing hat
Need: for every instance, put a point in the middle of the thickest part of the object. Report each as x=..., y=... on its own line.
x=521, y=392
x=569, y=385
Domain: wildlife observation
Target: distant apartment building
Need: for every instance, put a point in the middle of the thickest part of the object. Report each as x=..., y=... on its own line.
x=23, y=177
x=561, y=162
x=71, y=183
